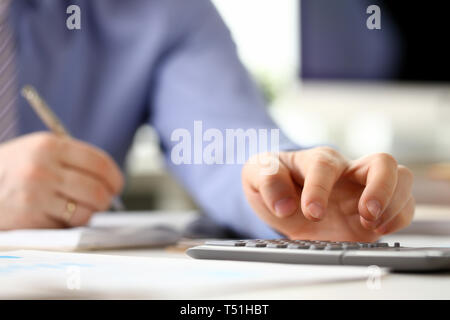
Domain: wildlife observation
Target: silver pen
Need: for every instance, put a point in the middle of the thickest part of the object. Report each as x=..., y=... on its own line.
x=54, y=124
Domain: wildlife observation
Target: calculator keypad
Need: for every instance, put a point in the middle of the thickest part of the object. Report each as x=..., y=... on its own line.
x=300, y=244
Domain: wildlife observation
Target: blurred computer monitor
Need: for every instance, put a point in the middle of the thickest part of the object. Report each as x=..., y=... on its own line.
x=412, y=44
x=371, y=90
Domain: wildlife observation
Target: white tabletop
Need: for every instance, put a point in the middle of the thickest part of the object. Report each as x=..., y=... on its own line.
x=434, y=221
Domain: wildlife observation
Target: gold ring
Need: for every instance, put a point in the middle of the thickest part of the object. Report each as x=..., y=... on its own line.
x=71, y=207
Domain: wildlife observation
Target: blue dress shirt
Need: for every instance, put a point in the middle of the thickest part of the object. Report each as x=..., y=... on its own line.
x=163, y=62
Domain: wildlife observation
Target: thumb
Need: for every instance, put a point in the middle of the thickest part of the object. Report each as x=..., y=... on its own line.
x=277, y=189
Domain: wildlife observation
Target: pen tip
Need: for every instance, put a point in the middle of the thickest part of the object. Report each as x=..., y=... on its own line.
x=27, y=90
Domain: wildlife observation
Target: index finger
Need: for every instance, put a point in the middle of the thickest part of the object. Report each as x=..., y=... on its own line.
x=92, y=160
x=381, y=180
x=320, y=179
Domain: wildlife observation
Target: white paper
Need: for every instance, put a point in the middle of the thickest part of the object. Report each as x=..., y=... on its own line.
x=106, y=231
x=43, y=274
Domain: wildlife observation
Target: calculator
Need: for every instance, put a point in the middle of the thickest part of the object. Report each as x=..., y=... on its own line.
x=393, y=256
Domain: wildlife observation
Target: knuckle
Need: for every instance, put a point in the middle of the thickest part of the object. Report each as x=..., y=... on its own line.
x=269, y=181
x=326, y=162
x=328, y=151
x=102, y=165
x=45, y=141
x=386, y=158
x=100, y=195
x=261, y=158
x=406, y=173
x=33, y=172
x=291, y=158
x=64, y=145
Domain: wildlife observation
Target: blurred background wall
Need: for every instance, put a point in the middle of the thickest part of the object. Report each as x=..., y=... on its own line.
x=329, y=79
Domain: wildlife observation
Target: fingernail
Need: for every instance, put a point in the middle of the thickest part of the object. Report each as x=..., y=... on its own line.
x=374, y=208
x=285, y=207
x=315, y=210
x=372, y=224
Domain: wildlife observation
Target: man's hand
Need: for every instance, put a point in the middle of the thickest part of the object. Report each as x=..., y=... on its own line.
x=317, y=194
x=41, y=173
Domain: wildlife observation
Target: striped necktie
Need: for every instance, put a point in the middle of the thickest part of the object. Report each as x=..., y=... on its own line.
x=8, y=84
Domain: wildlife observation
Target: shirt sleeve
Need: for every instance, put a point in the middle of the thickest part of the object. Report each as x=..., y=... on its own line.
x=200, y=82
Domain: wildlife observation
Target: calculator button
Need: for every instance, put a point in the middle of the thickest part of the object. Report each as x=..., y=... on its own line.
x=277, y=245
x=225, y=243
x=303, y=243
x=298, y=246
x=333, y=247
x=317, y=246
x=256, y=244
x=347, y=246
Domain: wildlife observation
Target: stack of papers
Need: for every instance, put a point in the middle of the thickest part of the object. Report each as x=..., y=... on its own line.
x=89, y=238
x=105, y=231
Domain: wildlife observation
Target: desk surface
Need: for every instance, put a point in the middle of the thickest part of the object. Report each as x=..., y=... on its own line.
x=393, y=285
